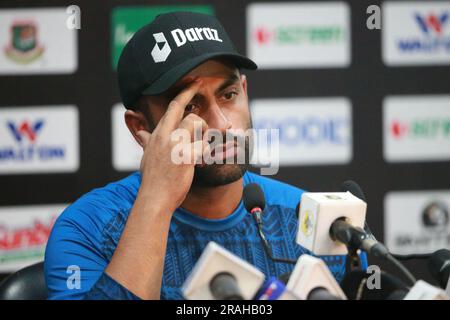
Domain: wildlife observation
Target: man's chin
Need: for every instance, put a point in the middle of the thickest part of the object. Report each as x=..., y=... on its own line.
x=215, y=175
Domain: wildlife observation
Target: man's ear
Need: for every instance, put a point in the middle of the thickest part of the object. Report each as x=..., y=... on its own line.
x=135, y=122
x=244, y=83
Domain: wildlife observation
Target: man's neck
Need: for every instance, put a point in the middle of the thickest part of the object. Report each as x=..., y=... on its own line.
x=214, y=203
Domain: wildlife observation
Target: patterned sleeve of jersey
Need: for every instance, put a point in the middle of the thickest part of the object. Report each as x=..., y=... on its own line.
x=75, y=260
x=106, y=288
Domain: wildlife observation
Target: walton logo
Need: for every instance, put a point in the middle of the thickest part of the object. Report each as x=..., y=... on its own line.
x=433, y=40
x=431, y=22
x=32, y=150
x=162, y=50
x=25, y=129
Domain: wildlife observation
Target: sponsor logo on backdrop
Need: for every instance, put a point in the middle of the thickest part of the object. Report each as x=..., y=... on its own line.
x=416, y=33
x=303, y=35
x=435, y=215
x=38, y=139
x=24, y=231
x=24, y=46
x=126, y=21
x=416, y=128
x=36, y=41
x=126, y=152
x=311, y=130
x=417, y=221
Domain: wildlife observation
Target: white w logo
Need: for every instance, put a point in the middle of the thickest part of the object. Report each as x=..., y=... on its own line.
x=161, y=50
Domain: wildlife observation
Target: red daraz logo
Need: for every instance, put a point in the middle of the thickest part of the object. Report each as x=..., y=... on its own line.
x=421, y=129
x=263, y=35
x=399, y=129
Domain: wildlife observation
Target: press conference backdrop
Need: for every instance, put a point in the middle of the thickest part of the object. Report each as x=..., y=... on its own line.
x=350, y=102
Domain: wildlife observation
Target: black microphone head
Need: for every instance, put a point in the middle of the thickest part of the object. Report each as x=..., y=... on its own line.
x=439, y=266
x=355, y=286
x=253, y=197
x=354, y=189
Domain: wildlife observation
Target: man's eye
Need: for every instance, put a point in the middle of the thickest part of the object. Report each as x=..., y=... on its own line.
x=230, y=95
x=190, y=107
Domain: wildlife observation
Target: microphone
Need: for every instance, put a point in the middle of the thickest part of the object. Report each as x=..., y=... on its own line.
x=254, y=203
x=370, y=244
x=274, y=289
x=328, y=222
x=221, y=275
x=425, y=291
x=355, y=286
x=439, y=267
x=312, y=280
x=355, y=189
x=331, y=224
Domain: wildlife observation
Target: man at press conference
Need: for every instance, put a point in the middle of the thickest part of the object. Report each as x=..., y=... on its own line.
x=140, y=237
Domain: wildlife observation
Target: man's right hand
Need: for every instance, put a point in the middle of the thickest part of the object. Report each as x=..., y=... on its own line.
x=168, y=182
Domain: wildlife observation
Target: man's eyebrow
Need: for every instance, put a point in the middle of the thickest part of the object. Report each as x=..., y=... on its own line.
x=173, y=92
x=231, y=79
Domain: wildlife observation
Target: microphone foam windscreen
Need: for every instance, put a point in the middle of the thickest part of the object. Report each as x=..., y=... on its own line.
x=354, y=189
x=253, y=197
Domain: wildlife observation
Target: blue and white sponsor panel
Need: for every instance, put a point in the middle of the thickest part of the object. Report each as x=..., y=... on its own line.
x=39, y=139
x=311, y=131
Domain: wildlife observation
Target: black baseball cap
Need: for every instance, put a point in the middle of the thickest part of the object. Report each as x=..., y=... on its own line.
x=163, y=51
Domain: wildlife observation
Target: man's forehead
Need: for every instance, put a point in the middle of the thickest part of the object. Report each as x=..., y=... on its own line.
x=211, y=69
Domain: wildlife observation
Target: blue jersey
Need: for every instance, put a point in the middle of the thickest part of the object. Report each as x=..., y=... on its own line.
x=86, y=234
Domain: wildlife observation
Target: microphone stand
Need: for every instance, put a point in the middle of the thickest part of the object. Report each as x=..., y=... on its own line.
x=352, y=261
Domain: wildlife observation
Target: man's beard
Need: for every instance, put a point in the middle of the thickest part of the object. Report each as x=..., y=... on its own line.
x=219, y=174
x=215, y=175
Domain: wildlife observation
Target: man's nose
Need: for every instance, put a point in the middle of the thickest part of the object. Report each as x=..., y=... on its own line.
x=217, y=119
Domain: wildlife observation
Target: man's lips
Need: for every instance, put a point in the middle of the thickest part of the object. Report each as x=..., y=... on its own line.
x=224, y=150
x=220, y=152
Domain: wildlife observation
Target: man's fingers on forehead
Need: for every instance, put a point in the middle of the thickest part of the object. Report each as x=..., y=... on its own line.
x=175, y=110
x=188, y=92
